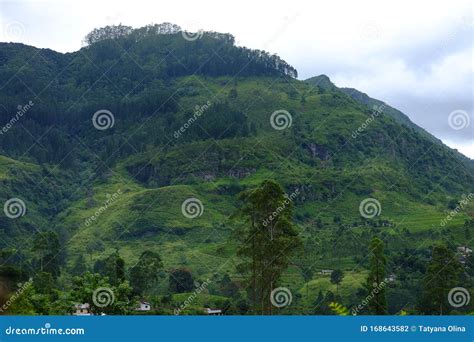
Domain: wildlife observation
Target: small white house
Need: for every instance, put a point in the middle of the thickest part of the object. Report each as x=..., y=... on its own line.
x=144, y=306
x=326, y=272
x=213, y=312
x=83, y=309
x=464, y=250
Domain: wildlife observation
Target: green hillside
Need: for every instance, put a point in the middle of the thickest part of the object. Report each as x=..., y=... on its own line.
x=193, y=119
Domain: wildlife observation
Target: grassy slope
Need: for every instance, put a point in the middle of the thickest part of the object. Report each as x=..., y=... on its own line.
x=150, y=217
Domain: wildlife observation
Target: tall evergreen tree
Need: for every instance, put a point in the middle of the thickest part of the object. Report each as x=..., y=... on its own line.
x=378, y=304
x=336, y=278
x=46, y=248
x=268, y=239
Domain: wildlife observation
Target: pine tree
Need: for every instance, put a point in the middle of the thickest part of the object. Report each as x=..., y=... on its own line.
x=336, y=278
x=268, y=239
x=375, y=286
x=46, y=248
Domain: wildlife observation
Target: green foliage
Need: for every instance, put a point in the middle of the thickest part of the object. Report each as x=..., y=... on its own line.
x=24, y=304
x=112, y=267
x=118, y=298
x=46, y=248
x=231, y=147
x=268, y=240
x=145, y=273
x=79, y=266
x=180, y=280
x=228, y=288
x=336, y=278
x=339, y=309
x=376, y=280
x=442, y=275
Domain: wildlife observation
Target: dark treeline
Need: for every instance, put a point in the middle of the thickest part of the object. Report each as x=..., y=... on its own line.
x=130, y=72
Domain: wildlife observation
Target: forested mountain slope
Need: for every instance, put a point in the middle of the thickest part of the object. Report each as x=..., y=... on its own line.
x=192, y=118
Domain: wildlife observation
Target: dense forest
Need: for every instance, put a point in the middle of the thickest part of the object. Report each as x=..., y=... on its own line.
x=102, y=149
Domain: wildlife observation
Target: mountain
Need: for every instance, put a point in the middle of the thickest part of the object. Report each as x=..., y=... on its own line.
x=113, y=138
x=324, y=82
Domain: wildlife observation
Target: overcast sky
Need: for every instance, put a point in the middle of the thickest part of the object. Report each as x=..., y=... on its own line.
x=416, y=56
